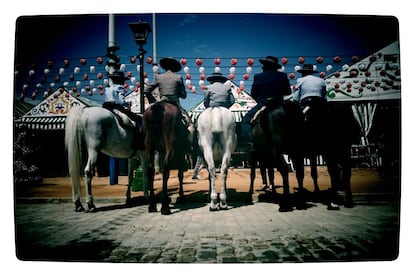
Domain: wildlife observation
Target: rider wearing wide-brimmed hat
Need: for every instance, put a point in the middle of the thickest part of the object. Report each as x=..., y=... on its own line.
x=170, y=87
x=269, y=86
x=170, y=84
x=218, y=92
x=309, y=89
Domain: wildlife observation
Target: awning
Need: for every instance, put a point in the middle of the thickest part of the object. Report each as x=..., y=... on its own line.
x=42, y=122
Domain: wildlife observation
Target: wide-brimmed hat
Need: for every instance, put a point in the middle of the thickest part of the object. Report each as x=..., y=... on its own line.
x=271, y=61
x=169, y=63
x=217, y=77
x=307, y=68
x=118, y=77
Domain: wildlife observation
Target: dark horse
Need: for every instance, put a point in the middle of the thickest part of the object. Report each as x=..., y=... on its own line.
x=166, y=133
x=328, y=133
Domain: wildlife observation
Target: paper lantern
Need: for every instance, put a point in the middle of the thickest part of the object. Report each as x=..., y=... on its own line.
x=250, y=61
x=100, y=87
x=92, y=69
x=201, y=69
x=246, y=76
x=284, y=60
x=99, y=60
x=122, y=67
x=355, y=59
x=99, y=76
x=232, y=70
x=200, y=82
x=230, y=76
x=82, y=61
x=199, y=61
x=217, y=61
x=65, y=84
x=52, y=84
x=186, y=69
x=345, y=67
x=85, y=76
x=301, y=60
x=57, y=79
x=183, y=61
x=74, y=89
x=92, y=82
x=337, y=59
x=78, y=83
x=149, y=60
x=46, y=71
x=319, y=59
x=202, y=76
x=66, y=62
x=233, y=61
x=187, y=82
x=291, y=76
x=155, y=69
x=145, y=75
x=248, y=70
x=132, y=59
x=133, y=80
x=189, y=86
x=328, y=68
x=188, y=76
x=297, y=67
x=76, y=70
x=193, y=89
x=217, y=70
x=31, y=73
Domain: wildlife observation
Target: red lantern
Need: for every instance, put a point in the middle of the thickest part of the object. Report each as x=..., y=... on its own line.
x=202, y=76
x=129, y=74
x=337, y=59
x=133, y=59
x=301, y=60
x=322, y=75
x=149, y=60
x=190, y=86
x=100, y=87
x=87, y=88
x=101, y=92
x=203, y=87
x=145, y=74
x=250, y=61
x=199, y=61
x=49, y=64
x=337, y=74
x=231, y=76
x=284, y=60
x=99, y=60
x=90, y=93
x=355, y=59
x=217, y=61
x=291, y=76
x=71, y=77
x=246, y=76
x=82, y=61
x=233, y=61
x=319, y=59
x=138, y=84
x=99, y=75
x=57, y=79
x=188, y=76
x=66, y=62
x=183, y=61
x=74, y=89
x=85, y=76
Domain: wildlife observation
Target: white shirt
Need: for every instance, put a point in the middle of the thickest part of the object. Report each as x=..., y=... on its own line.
x=115, y=93
x=309, y=86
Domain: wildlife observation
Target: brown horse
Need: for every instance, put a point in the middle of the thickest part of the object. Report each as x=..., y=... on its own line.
x=166, y=133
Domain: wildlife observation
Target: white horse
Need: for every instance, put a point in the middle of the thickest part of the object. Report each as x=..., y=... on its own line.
x=217, y=140
x=97, y=129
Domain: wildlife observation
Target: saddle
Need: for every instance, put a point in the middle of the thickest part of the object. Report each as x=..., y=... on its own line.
x=124, y=119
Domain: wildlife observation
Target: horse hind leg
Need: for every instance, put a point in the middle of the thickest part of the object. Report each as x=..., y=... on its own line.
x=89, y=172
x=224, y=171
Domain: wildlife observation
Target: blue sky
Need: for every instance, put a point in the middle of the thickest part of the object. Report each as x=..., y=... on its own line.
x=201, y=35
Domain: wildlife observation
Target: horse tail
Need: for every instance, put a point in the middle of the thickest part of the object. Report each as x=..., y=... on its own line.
x=216, y=120
x=73, y=143
x=157, y=116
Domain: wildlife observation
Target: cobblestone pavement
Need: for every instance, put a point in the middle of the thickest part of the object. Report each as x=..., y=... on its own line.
x=246, y=233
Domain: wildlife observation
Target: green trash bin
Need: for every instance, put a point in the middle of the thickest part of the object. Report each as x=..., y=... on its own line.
x=138, y=181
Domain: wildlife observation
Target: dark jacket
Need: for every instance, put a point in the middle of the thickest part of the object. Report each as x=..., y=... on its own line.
x=270, y=84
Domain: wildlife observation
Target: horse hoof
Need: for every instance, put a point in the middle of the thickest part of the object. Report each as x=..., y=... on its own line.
x=79, y=209
x=285, y=208
x=265, y=187
x=333, y=207
x=214, y=209
x=91, y=208
x=152, y=209
x=165, y=211
x=224, y=207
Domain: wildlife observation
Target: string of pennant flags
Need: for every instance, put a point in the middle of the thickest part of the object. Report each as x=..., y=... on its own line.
x=87, y=76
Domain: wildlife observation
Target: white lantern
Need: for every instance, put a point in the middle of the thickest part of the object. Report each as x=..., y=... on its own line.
x=232, y=70
x=92, y=69
x=65, y=84
x=76, y=70
x=78, y=83
x=46, y=71
x=122, y=67
x=217, y=70
x=248, y=69
x=328, y=68
x=92, y=82
x=297, y=67
x=187, y=82
x=345, y=67
x=133, y=80
x=201, y=69
x=186, y=69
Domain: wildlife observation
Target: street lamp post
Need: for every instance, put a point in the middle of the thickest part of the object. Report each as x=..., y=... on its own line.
x=141, y=30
